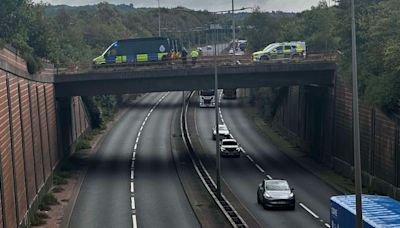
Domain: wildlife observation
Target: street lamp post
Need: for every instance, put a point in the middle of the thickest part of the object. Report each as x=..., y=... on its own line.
x=159, y=19
x=356, y=128
x=217, y=147
x=233, y=31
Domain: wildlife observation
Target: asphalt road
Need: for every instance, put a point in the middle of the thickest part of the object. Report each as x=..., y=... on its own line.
x=243, y=174
x=105, y=196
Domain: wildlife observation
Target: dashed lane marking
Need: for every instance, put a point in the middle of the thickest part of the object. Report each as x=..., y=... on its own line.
x=133, y=206
x=309, y=210
x=259, y=168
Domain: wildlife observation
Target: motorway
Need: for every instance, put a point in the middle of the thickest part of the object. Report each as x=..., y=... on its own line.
x=155, y=198
x=261, y=159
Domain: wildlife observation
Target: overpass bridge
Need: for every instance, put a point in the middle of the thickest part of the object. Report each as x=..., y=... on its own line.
x=177, y=77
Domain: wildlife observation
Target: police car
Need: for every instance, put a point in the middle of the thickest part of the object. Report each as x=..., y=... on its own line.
x=281, y=51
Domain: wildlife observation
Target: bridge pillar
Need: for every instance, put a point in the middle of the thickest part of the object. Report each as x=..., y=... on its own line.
x=64, y=126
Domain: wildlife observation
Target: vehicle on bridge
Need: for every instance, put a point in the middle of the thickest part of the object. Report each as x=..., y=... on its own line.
x=281, y=51
x=230, y=148
x=378, y=211
x=152, y=49
x=207, y=98
x=275, y=193
x=229, y=94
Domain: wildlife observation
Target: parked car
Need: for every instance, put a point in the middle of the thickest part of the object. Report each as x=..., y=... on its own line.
x=229, y=147
x=223, y=132
x=275, y=193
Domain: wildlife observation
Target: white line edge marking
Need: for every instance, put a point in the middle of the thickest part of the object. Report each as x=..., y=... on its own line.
x=309, y=211
x=327, y=225
x=269, y=177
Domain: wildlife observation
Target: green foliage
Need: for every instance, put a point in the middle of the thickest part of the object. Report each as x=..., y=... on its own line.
x=83, y=144
x=38, y=219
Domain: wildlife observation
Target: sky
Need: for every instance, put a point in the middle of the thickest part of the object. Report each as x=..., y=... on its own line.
x=210, y=5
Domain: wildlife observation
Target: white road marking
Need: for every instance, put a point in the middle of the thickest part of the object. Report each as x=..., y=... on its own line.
x=248, y=156
x=309, y=211
x=133, y=203
x=259, y=168
x=134, y=221
x=269, y=177
x=327, y=225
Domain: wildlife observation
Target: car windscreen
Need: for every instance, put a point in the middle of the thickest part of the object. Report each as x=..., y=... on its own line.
x=207, y=93
x=276, y=185
x=222, y=127
x=270, y=47
x=229, y=143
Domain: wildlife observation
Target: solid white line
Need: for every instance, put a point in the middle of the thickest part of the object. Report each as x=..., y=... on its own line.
x=248, y=156
x=327, y=225
x=134, y=221
x=259, y=168
x=269, y=177
x=309, y=211
x=132, y=187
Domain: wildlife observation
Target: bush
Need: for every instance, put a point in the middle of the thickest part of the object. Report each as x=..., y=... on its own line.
x=83, y=144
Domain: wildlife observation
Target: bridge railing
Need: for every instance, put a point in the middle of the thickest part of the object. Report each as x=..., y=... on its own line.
x=202, y=61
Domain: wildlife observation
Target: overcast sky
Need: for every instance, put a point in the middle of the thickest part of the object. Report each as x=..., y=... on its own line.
x=210, y=5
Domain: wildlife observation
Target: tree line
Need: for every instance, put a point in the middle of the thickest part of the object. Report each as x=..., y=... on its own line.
x=327, y=28
x=75, y=35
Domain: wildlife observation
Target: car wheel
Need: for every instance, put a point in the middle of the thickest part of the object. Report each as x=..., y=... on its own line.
x=214, y=138
x=265, y=206
x=293, y=207
x=295, y=57
x=258, y=199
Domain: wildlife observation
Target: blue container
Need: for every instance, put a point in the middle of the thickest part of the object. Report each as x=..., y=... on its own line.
x=378, y=211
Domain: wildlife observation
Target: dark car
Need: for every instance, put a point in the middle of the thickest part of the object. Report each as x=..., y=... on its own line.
x=275, y=193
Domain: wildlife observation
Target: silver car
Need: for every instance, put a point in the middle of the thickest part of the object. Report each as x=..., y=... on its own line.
x=275, y=193
x=223, y=132
x=229, y=147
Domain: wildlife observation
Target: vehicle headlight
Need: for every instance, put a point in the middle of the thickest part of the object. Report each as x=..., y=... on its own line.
x=223, y=149
x=238, y=149
x=291, y=195
x=266, y=195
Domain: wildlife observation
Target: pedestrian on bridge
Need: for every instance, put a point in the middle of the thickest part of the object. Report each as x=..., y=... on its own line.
x=184, y=56
x=194, y=55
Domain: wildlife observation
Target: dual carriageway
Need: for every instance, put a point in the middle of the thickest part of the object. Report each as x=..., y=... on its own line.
x=136, y=177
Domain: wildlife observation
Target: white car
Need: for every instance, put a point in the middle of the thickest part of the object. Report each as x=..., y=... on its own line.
x=229, y=147
x=223, y=132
